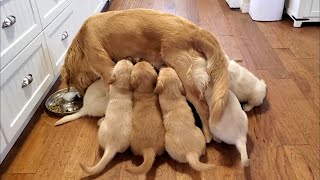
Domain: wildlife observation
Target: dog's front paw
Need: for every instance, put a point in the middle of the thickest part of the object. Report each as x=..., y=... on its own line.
x=247, y=107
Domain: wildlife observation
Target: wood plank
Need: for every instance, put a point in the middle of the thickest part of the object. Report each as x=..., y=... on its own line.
x=305, y=73
x=304, y=160
x=231, y=47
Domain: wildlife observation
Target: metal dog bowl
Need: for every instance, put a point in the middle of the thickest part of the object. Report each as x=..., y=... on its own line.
x=64, y=102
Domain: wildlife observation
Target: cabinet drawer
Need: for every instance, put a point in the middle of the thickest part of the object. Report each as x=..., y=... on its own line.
x=17, y=103
x=3, y=145
x=50, y=9
x=59, y=35
x=26, y=27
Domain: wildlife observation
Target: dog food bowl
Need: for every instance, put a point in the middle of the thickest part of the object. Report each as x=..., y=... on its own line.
x=64, y=102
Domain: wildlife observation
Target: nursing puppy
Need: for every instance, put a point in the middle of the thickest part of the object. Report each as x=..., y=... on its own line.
x=232, y=127
x=95, y=102
x=246, y=86
x=147, y=136
x=114, y=133
x=183, y=140
x=156, y=36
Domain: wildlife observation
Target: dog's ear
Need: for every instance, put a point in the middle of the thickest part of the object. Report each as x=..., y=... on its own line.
x=181, y=89
x=159, y=87
x=134, y=81
x=112, y=79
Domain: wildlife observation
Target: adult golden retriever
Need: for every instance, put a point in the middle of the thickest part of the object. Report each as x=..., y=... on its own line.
x=159, y=37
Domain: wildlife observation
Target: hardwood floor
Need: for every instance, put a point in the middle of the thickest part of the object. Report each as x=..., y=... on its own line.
x=283, y=137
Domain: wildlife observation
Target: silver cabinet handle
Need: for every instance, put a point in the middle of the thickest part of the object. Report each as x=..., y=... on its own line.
x=8, y=21
x=27, y=80
x=64, y=36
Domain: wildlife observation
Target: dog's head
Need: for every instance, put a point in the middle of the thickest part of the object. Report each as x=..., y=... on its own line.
x=120, y=76
x=143, y=77
x=168, y=82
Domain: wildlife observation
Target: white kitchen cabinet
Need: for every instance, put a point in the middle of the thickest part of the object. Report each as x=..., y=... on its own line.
x=34, y=42
x=20, y=25
x=3, y=145
x=17, y=101
x=59, y=35
x=50, y=9
x=303, y=11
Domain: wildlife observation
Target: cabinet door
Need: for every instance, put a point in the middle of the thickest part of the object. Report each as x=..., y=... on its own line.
x=3, y=145
x=50, y=9
x=313, y=8
x=59, y=36
x=23, y=25
x=18, y=102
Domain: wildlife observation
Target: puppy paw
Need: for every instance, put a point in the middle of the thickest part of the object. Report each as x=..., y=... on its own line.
x=100, y=120
x=247, y=107
x=216, y=139
x=207, y=135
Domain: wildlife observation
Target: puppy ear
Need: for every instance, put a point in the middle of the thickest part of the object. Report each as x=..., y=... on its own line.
x=159, y=88
x=181, y=89
x=112, y=79
x=134, y=81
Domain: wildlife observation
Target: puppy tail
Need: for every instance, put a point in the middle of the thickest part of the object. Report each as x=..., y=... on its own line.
x=217, y=69
x=193, y=160
x=149, y=157
x=242, y=148
x=108, y=155
x=71, y=117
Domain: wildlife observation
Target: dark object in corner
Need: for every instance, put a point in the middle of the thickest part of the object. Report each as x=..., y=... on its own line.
x=196, y=116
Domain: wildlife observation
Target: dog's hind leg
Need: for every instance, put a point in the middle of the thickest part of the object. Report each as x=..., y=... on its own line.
x=173, y=59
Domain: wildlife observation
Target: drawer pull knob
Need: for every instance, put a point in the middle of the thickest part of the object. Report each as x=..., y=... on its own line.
x=27, y=80
x=64, y=36
x=8, y=21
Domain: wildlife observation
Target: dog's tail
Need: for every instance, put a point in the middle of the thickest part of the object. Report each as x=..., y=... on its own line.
x=108, y=155
x=217, y=69
x=242, y=148
x=149, y=157
x=71, y=117
x=193, y=160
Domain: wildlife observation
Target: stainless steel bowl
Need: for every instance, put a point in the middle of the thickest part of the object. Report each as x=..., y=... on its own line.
x=64, y=102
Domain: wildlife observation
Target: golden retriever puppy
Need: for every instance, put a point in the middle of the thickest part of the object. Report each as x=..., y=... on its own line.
x=114, y=132
x=247, y=87
x=160, y=38
x=95, y=102
x=233, y=126
x=147, y=136
x=184, y=141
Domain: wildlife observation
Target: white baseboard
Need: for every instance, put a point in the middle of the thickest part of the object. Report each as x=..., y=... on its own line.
x=244, y=8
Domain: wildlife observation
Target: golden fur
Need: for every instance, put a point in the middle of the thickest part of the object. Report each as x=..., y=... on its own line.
x=114, y=131
x=147, y=136
x=158, y=37
x=184, y=141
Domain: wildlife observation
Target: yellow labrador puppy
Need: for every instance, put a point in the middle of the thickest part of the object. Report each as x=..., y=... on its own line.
x=147, y=136
x=114, y=132
x=184, y=141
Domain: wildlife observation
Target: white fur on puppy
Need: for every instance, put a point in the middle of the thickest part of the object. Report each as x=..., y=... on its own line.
x=232, y=127
x=114, y=133
x=95, y=102
x=246, y=86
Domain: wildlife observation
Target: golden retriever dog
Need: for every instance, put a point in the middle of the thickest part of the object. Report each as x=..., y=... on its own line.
x=184, y=141
x=95, y=102
x=147, y=136
x=114, y=132
x=159, y=37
